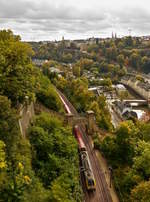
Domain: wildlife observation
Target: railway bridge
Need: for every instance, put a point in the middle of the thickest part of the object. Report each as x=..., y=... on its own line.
x=88, y=121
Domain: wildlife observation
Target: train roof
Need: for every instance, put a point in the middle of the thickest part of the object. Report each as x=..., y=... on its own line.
x=79, y=137
x=65, y=105
x=80, y=141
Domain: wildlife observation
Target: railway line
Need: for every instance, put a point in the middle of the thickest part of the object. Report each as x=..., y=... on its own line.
x=102, y=193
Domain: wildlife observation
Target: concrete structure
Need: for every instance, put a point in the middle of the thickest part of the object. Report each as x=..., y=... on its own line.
x=140, y=87
x=120, y=88
x=38, y=62
x=69, y=119
x=26, y=113
x=139, y=114
x=121, y=107
x=126, y=111
x=136, y=102
x=90, y=122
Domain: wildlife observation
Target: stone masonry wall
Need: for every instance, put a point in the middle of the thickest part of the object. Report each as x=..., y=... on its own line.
x=26, y=115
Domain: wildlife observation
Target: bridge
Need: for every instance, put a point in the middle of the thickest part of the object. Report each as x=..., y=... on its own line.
x=136, y=102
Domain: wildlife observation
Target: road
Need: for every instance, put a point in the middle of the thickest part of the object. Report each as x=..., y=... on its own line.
x=102, y=193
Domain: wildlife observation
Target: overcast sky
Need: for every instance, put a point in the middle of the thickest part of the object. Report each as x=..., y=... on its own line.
x=52, y=19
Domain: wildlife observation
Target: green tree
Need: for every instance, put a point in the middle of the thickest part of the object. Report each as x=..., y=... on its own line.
x=16, y=70
x=120, y=45
x=61, y=190
x=81, y=97
x=115, y=147
x=49, y=98
x=61, y=83
x=67, y=58
x=46, y=93
x=135, y=60
x=145, y=64
x=128, y=41
x=85, y=63
x=8, y=122
x=57, y=162
x=124, y=142
x=121, y=60
x=2, y=156
x=111, y=53
x=76, y=71
x=144, y=130
x=141, y=160
x=141, y=193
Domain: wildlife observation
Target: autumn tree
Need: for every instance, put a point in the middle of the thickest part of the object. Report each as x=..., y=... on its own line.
x=76, y=70
x=135, y=60
x=128, y=41
x=46, y=93
x=120, y=60
x=141, y=193
x=141, y=160
x=57, y=162
x=145, y=64
x=16, y=70
x=85, y=63
x=111, y=53
x=67, y=58
x=144, y=132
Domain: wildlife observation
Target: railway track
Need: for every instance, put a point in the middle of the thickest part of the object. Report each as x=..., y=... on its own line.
x=102, y=193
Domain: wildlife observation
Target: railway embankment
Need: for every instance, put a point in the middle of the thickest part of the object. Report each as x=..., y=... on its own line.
x=102, y=192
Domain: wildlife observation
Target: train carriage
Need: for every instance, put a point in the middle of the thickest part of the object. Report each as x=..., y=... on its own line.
x=86, y=165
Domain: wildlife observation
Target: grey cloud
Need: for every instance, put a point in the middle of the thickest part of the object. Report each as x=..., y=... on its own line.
x=128, y=15
x=47, y=17
x=14, y=8
x=69, y=25
x=45, y=10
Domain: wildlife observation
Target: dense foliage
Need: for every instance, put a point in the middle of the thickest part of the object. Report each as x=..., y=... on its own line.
x=105, y=58
x=84, y=100
x=47, y=94
x=16, y=70
x=43, y=167
x=19, y=79
x=59, y=52
x=55, y=158
x=17, y=179
x=46, y=167
x=128, y=151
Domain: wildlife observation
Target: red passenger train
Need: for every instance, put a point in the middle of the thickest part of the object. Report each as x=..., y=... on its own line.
x=87, y=169
x=78, y=136
x=65, y=105
x=86, y=166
